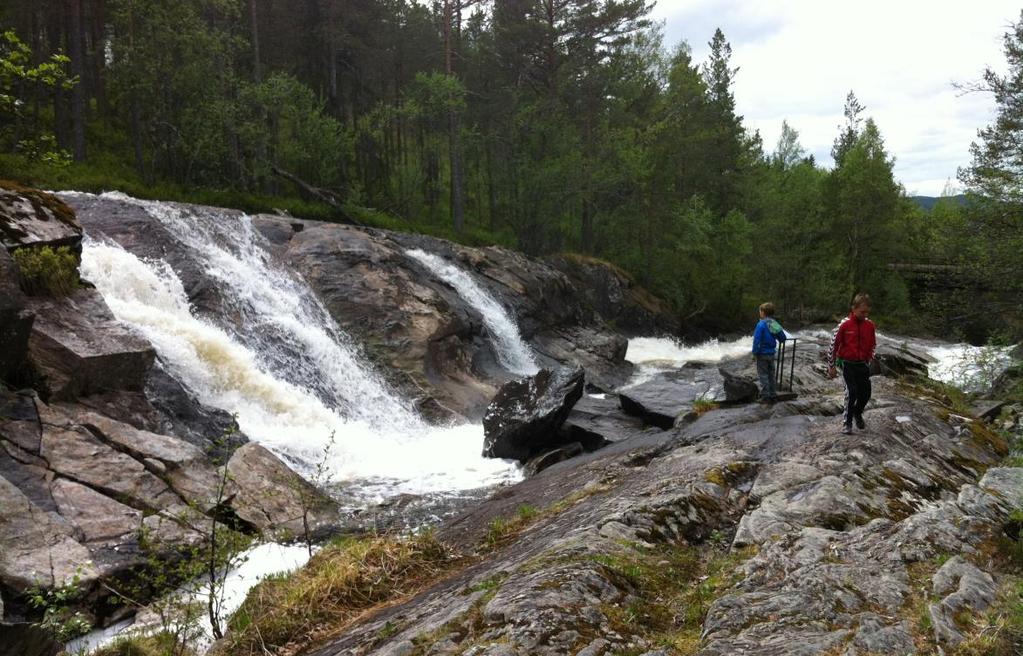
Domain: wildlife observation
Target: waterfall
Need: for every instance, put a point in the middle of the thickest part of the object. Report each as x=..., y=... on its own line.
x=295, y=381
x=513, y=353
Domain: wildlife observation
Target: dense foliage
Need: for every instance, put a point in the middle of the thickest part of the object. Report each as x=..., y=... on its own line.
x=547, y=125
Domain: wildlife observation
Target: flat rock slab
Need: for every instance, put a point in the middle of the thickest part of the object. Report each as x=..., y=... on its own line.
x=597, y=419
x=79, y=348
x=660, y=401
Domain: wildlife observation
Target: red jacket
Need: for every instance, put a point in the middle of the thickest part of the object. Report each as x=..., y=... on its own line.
x=854, y=340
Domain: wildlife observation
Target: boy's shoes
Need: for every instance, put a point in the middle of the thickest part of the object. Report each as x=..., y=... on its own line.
x=860, y=423
x=846, y=429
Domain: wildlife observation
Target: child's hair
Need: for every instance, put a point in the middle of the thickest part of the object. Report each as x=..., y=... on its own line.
x=767, y=309
x=861, y=299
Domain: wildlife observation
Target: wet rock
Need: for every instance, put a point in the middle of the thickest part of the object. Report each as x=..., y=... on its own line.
x=77, y=348
x=899, y=358
x=31, y=218
x=663, y=399
x=526, y=414
x=213, y=430
x=265, y=494
x=740, y=384
x=15, y=321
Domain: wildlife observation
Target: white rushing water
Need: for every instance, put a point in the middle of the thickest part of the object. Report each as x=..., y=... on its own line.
x=293, y=379
x=655, y=354
x=254, y=565
x=513, y=353
x=970, y=368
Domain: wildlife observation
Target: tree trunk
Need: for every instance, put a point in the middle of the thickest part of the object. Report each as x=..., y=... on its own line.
x=257, y=71
x=76, y=34
x=99, y=56
x=454, y=147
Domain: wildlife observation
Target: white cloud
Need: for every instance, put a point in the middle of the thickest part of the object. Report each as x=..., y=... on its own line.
x=799, y=58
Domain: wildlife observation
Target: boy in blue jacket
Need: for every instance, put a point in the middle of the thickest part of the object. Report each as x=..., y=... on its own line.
x=765, y=340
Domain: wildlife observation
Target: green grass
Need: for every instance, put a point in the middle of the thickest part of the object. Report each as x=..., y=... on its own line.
x=346, y=578
x=676, y=584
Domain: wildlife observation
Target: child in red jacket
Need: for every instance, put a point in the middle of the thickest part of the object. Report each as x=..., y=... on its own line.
x=853, y=349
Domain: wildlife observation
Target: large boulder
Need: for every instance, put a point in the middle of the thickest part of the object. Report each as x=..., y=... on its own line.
x=15, y=321
x=525, y=416
x=898, y=358
x=77, y=348
x=31, y=218
x=268, y=496
x=671, y=394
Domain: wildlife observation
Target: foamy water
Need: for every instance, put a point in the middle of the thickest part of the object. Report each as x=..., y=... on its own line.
x=652, y=355
x=292, y=378
x=255, y=564
x=970, y=368
x=511, y=351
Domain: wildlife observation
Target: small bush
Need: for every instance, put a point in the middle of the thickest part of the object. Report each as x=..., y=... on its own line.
x=47, y=272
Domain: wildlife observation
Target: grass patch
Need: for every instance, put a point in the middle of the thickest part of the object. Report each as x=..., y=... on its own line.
x=159, y=644
x=676, y=584
x=46, y=271
x=339, y=583
x=703, y=406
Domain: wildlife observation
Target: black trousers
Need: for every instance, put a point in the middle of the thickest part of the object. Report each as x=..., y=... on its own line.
x=857, y=389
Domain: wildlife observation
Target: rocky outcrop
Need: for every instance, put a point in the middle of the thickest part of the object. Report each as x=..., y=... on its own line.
x=614, y=294
x=77, y=348
x=431, y=344
x=832, y=537
x=526, y=415
x=30, y=218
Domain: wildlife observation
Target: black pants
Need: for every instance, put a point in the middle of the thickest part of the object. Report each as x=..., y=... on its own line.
x=857, y=389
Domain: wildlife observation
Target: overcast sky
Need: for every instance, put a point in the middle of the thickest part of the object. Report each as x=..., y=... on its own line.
x=799, y=58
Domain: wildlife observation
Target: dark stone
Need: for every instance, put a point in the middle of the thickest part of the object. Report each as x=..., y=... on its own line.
x=670, y=394
x=897, y=359
x=595, y=422
x=741, y=384
x=27, y=640
x=546, y=459
x=524, y=417
x=15, y=321
x=209, y=428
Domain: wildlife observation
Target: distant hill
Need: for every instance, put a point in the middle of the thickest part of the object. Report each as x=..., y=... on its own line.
x=928, y=202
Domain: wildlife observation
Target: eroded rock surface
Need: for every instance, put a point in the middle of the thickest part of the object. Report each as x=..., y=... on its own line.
x=840, y=531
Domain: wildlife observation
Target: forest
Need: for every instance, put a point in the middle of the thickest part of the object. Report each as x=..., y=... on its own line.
x=549, y=126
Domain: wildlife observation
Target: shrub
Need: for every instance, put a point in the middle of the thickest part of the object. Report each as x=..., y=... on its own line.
x=47, y=272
